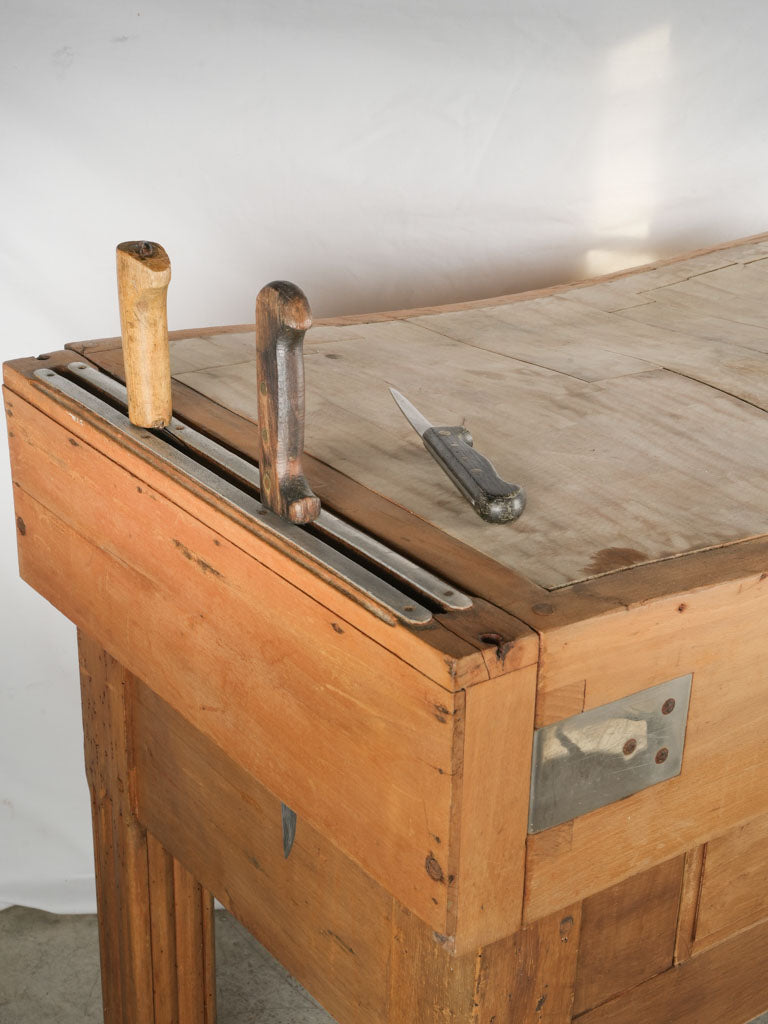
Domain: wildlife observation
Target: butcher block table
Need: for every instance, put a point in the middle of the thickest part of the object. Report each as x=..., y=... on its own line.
x=492, y=825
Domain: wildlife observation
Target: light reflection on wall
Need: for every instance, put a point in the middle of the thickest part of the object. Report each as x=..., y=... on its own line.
x=635, y=80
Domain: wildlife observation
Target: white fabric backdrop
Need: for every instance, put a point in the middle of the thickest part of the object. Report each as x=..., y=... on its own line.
x=382, y=155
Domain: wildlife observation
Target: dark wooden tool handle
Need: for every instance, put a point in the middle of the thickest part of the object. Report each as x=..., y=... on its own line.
x=492, y=498
x=143, y=273
x=282, y=318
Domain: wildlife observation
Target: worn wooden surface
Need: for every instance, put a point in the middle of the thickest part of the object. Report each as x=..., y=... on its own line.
x=545, y=611
x=307, y=703
x=627, y=934
x=633, y=912
x=734, y=883
x=634, y=420
x=143, y=274
x=727, y=984
x=718, y=634
x=363, y=955
x=328, y=713
x=494, y=812
x=282, y=317
x=448, y=651
x=155, y=920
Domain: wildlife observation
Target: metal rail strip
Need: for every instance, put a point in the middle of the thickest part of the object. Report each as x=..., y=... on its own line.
x=383, y=593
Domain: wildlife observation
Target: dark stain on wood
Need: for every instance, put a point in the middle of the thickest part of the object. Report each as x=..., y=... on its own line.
x=543, y=609
x=442, y=714
x=611, y=559
x=339, y=941
x=434, y=870
x=205, y=566
x=73, y=442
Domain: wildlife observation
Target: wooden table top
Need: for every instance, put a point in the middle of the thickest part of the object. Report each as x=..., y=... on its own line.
x=631, y=408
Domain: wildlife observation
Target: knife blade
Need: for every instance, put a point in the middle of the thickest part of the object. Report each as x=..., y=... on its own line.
x=494, y=500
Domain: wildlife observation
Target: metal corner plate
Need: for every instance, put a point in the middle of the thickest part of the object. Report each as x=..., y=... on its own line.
x=608, y=753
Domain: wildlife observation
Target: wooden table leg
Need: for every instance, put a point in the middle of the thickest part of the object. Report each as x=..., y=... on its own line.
x=155, y=920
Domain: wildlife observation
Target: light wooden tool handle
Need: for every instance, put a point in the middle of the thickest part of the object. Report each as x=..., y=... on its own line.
x=143, y=273
x=282, y=318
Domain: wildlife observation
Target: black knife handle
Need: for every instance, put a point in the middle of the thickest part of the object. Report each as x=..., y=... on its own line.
x=492, y=498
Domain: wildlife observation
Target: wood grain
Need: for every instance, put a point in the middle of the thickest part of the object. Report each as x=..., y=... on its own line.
x=191, y=975
x=528, y=978
x=726, y=985
x=282, y=318
x=689, y=902
x=734, y=887
x=143, y=275
x=245, y=679
x=154, y=918
x=607, y=446
x=634, y=414
x=162, y=911
x=379, y=770
x=545, y=611
x=326, y=920
x=119, y=841
x=494, y=808
x=427, y=985
x=438, y=651
x=627, y=934
x=717, y=633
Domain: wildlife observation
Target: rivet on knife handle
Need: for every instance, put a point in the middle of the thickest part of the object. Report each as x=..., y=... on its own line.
x=282, y=318
x=143, y=273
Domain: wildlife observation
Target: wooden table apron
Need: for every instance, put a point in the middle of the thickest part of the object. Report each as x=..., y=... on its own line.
x=223, y=676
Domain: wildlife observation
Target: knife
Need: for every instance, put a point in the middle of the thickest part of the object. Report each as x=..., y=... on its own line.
x=492, y=498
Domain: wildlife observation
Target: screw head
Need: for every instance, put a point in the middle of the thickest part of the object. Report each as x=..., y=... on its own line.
x=662, y=755
x=629, y=747
x=668, y=706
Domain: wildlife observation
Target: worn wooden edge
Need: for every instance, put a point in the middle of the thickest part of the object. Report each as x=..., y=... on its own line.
x=540, y=609
x=452, y=657
x=533, y=606
x=532, y=613
x=497, y=742
x=378, y=816
x=104, y=344
x=690, y=895
x=469, y=647
x=533, y=609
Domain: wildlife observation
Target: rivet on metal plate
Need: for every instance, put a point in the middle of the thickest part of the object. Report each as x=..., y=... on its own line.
x=608, y=753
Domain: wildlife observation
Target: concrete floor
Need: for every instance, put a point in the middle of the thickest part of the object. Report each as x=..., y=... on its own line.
x=49, y=974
